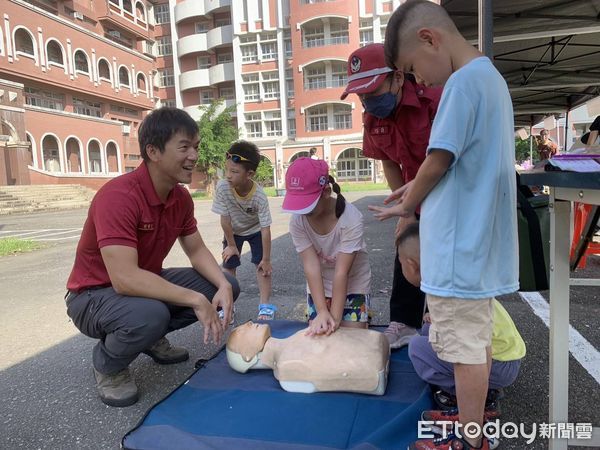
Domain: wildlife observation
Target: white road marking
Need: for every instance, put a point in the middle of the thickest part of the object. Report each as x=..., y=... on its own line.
x=584, y=352
x=43, y=234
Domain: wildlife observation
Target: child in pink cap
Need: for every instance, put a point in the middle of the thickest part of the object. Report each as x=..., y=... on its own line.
x=328, y=234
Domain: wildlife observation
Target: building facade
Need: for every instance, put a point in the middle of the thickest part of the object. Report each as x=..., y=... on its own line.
x=82, y=75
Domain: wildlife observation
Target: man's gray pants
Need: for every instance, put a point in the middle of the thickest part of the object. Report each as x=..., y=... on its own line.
x=126, y=326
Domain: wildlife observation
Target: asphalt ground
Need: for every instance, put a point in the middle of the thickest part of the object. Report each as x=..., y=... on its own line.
x=47, y=390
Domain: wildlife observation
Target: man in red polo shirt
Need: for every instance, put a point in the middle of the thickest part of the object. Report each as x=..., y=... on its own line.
x=397, y=122
x=118, y=291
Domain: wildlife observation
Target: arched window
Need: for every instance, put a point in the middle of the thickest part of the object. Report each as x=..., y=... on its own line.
x=124, y=76
x=24, y=42
x=112, y=157
x=50, y=155
x=104, y=70
x=141, y=83
x=73, y=155
x=140, y=11
x=30, y=150
x=95, y=157
x=81, y=62
x=55, y=53
x=351, y=165
x=299, y=155
x=127, y=6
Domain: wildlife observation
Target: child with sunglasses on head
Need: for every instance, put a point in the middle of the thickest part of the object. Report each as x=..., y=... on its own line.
x=245, y=216
x=328, y=234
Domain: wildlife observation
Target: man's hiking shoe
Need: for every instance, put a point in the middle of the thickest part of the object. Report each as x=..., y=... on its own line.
x=451, y=442
x=163, y=352
x=399, y=334
x=116, y=390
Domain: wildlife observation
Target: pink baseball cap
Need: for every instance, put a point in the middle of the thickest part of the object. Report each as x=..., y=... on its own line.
x=305, y=180
x=366, y=70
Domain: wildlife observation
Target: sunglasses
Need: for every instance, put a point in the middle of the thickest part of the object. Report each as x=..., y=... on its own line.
x=236, y=158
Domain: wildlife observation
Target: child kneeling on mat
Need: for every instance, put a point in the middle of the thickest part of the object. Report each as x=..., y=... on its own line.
x=328, y=234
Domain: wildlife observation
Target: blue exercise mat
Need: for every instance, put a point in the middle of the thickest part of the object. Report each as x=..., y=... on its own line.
x=218, y=408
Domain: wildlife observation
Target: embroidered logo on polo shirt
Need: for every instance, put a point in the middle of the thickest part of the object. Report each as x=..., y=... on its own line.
x=380, y=130
x=355, y=64
x=146, y=226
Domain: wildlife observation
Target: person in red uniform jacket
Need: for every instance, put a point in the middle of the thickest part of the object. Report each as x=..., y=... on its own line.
x=397, y=122
x=118, y=291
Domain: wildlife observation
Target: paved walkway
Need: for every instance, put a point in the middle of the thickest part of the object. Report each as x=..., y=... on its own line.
x=46, y=384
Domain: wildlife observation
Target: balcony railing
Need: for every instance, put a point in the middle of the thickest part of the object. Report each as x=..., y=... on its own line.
x=322, y=84
x=320, y=42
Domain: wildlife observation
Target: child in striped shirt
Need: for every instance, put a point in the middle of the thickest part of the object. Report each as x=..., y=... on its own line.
x=245, y=216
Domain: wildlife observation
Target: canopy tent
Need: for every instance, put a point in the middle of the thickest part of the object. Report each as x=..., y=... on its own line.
x=547, y=50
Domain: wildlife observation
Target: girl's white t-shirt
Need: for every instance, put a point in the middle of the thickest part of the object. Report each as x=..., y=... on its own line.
x=346, y=237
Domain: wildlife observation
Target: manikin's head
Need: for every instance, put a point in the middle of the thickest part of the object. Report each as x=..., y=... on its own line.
x=245, y=343
x=409, y=254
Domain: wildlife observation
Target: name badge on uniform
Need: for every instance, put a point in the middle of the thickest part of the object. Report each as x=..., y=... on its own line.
x=384, y=129
x=146, y=226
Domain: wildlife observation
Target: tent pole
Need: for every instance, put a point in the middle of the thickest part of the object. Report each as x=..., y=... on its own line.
x=486, y=28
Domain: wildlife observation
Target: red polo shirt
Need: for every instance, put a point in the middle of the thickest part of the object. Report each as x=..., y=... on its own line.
x=403, y=138
x=127, y=211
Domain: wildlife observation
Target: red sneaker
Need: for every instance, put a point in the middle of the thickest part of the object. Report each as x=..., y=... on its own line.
x=451, y=415
x=449, y=443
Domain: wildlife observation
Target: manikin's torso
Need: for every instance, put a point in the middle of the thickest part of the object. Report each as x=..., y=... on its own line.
x=350, y=360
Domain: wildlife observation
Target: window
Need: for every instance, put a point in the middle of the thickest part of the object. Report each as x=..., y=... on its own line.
x=206, y=97
x=222, y=22
x=161, y=14
x=164, y=45
x=314, y=36
x=342, y=117
x=124, y=77
x=365, y=23
x=251, y=92
x=202, y=27
x=165, y=77
x=273, y=123
x=316, y=118
x=204, y=62
x=54, y=52
x=223, y=58
x=247, y=38
x=44, y=99
x=227, y=93
x=24, y=42
x=269, y=50
x=315, y=77
x=249, y=53
x=169, y=103
x=339, y=75
x=287, y=43
x=81, y=62
x=339, y=33
x=289, y=86
x=268, y=36
x=292, y=127
x=253, y=125
x=271, y=89
x=123, y=110
x=366, y=37
x=86, y=108
x=104, y=70
x=127, y=6
x=251, y=88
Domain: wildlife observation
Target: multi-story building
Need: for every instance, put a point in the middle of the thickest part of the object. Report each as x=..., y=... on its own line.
x=77, y=77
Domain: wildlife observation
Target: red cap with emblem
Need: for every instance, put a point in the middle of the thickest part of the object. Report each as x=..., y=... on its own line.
x=366, y=70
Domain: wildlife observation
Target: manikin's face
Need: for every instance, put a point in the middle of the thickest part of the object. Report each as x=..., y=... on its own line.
x=249, y=339
x=178, y=160
x=236, y=174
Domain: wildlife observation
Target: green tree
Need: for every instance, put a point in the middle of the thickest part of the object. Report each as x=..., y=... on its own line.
x=522, y=150
x=264, y=173
x=217, y=133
